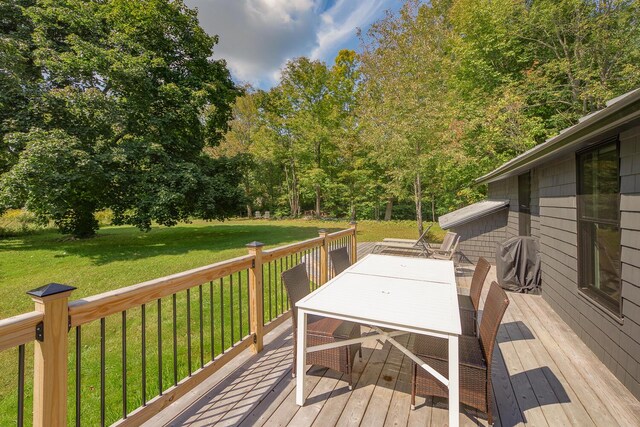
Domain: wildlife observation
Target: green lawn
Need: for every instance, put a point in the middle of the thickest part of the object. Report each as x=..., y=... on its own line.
x=122, y=256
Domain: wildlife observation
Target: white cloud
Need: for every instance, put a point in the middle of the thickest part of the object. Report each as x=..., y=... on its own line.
x=257, y=37
x=340, y=23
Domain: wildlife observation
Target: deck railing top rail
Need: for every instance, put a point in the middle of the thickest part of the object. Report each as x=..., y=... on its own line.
x=18, y=330
x=101, y=305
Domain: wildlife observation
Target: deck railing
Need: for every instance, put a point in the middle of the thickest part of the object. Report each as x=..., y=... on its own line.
x=134, y=350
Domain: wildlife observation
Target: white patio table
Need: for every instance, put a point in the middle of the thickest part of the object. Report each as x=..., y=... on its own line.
x=398, y=293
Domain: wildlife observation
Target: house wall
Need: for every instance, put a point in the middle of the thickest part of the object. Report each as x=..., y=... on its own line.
x=480, y=237
x=616, y=341
x=629, y=357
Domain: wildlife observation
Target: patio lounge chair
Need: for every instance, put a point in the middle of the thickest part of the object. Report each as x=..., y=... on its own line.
x=446, y=244
x=419, y=245
x=340, y=260
x=469, y=304
x=423, y=237
x=445, y=254
x=475, y=359
x=321, y=330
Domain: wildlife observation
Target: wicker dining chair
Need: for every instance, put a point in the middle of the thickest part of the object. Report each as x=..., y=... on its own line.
x=321, y=330
x=470, y=304
x=340, y=260
x=475, y=359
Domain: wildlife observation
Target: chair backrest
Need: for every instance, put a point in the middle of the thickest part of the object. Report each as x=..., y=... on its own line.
x=423, y=236
x=477, y=281
x=494, y=308
x=340, y=260
x=297, y=283
x=454, y=247
x=448, y=241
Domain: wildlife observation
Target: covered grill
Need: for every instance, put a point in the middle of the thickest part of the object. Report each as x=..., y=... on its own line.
x=518, y=265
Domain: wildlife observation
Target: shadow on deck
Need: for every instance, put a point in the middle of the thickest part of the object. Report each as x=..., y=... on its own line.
x=542, y=375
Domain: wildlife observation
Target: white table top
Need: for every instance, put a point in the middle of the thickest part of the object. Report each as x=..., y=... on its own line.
x=431, y=270
x=406, y=303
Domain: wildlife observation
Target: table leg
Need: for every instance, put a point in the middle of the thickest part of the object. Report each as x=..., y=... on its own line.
x=301, y=356
x=454, y=382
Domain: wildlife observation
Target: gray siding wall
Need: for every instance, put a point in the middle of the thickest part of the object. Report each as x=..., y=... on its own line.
x=629, y=354
x=535, y=205
x=615, y=341
x=479, y=238
x=507, y=189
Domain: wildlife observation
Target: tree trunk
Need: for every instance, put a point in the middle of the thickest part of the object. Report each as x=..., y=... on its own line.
x=318, y=165
x=249, y=211
x=292, y=184
x=417, y=187
x=387, y=212
x=433, y=208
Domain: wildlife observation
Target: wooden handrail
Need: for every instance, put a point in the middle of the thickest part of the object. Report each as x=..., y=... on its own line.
x=18, y=330
x=283, y=251
x=102, y=305
x=338, y=234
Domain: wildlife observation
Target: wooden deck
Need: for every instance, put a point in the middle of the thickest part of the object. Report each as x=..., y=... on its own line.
x=542, y=375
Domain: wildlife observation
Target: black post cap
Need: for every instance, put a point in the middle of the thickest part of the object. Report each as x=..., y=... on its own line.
x=50, y=289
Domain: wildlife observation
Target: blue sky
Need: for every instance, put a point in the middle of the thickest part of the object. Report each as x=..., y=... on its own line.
x=257, y=37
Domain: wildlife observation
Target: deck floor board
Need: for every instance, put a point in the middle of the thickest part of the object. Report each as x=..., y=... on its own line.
x=542, y=375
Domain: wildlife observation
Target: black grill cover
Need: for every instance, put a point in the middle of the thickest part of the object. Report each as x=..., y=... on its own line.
x=518, y=265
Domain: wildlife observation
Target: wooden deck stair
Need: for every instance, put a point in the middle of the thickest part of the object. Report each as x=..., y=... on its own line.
x=543, y=375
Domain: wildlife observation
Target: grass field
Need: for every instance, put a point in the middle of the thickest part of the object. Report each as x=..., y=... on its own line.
x=121, y=256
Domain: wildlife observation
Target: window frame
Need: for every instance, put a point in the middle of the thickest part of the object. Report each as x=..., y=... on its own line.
x=524, y=209
x=597, y=296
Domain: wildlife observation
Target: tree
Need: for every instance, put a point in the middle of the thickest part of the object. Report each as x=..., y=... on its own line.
x=132, y=86
x=246, y=141
x=584, y=53
x=404, y=106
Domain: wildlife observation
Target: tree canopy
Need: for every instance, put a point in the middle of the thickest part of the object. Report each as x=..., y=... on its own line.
x=109, y=105
x=439, y=93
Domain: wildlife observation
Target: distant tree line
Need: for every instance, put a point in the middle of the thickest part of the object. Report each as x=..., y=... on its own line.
x=118, y=105
x=439, y=94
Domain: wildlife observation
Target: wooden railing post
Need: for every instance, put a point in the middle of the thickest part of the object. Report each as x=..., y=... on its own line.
x=50, y=355
x=255, y=295
x=324, y=257
x=354, y=242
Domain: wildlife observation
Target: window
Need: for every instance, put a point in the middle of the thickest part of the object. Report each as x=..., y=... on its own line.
x=599, y=224
x=524, y=204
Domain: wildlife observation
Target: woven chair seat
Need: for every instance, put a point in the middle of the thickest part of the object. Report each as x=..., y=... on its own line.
x=469, y=351
x=464, y=301
x=332, y=328
x=467, y=315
